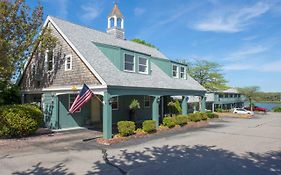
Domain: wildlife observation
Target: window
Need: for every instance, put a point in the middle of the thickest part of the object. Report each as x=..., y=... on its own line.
x=49, y=58
x=175, y=71
x=146, y=101
x=182, y=72
x=68, y=62
x=114, y=103
x=71, y=100
x=143, y=65
x=129, y=63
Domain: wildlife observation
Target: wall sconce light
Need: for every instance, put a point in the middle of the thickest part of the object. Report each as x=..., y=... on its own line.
x=158, y=99
x=110, y=101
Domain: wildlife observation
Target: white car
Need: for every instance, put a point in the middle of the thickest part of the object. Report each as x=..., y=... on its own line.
x=242, y=111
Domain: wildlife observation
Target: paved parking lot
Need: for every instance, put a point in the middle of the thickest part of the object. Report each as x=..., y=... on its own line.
x=227, y=146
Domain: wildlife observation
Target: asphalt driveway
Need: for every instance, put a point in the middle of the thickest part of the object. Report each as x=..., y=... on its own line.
x=227, y=146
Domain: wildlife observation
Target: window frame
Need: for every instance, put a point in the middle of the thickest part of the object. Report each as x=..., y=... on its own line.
x=69, y=102
x=184, y=72
x=117, y=103
x=66, y=62
x=146, y=72
x=47, y=60
x=134, y=62
x=146, y=100
x=177, y=71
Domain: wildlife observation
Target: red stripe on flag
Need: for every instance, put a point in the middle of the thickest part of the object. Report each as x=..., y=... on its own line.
x=79, y=101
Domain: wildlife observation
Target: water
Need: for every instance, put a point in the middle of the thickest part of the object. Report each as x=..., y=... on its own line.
x=268, y=106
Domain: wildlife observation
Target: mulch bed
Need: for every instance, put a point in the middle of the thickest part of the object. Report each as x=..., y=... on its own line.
x=119, y=139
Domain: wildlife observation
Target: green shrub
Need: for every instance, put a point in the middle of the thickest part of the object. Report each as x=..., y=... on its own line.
x=194, y=117
x=276, y=109
x=149, y=126
x=180, y=120
x=126, y=128
x=219, y=110
x=212, y=115
x=169, y=122
x=19, y=120
x=203, y=115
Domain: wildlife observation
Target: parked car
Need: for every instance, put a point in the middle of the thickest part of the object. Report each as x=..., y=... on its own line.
x=242, y=111
x=256, y=108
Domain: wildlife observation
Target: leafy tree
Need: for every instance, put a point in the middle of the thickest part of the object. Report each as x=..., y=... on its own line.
x=19, y=35
x=143, y=42
x=250, y=93
x=208, y=74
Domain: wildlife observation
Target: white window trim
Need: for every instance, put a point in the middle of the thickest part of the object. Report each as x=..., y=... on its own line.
x=148, y=100
x=146, y=72
x=134, y=70
x=117, y=100
x=177, y=71
x=184, y=72
x=79, y=110
x=65, y=63
x=47, y=61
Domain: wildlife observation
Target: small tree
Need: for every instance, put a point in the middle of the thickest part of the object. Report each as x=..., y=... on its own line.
x=134, y=106
x=175, y=106
x=143, y=42
x=250, y=93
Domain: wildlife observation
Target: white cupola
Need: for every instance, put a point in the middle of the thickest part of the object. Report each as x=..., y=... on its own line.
x=115, y=23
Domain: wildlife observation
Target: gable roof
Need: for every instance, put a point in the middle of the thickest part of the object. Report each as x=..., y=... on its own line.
x=83, y=39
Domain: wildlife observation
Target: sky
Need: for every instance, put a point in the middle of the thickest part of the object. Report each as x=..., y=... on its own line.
x=244, y=36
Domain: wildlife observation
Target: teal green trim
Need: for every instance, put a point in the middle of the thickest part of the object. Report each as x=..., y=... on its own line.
x=107, y=116
x=121, y=90
x=203, y=104
x=164, y=64
x=184, y=105
x=155, y=110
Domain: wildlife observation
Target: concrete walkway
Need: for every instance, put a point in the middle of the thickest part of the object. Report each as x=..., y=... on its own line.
x=227, y=146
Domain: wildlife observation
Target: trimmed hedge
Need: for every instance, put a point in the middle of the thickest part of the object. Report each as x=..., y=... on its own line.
x=180, y=120
x=19, y=120
x=194, y=117
x=169, y=122
x=212, y=115
x=126, y=128
x=276, y=109
x=149, y=126
x=203, y=115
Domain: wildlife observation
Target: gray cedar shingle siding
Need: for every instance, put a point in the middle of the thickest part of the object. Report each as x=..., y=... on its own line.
x=59, y=77
x=82, y=38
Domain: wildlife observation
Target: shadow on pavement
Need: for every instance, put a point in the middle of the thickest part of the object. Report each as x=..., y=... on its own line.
x=183, y=160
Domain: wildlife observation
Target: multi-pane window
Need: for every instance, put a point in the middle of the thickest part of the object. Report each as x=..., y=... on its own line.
x=182, y=72
x=175, y=71
x=146, y=101
x=114, y=103
x=143, y=65
x=129, y=63
x=50, y=60
x=71, y=101
x=68, y=62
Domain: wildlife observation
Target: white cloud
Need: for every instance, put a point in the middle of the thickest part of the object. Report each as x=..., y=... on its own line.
x=274, y=66
x=139, y=11
x=91, y=10
x=234, y=21
x=246, y=52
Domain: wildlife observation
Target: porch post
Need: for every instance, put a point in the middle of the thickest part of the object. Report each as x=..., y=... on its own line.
x=184, y=105
x=213, y=107
x=203, y=104
x=107, y=116
x=155, y=110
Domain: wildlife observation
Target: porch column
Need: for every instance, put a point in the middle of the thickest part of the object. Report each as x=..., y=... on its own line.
x=155, y=110
x=107, y=116
x=203, y=104
x=213, y=107
x=184, y=105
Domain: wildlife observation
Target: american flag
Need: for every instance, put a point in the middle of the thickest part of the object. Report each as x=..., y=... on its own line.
x=84, y=96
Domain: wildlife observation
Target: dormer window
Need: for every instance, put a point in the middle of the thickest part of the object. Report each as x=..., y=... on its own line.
x=175, y=71
x=182, y=72
x=129, y=63
x=143, y=65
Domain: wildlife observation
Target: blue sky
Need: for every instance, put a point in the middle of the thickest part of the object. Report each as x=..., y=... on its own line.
x=243, y=36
